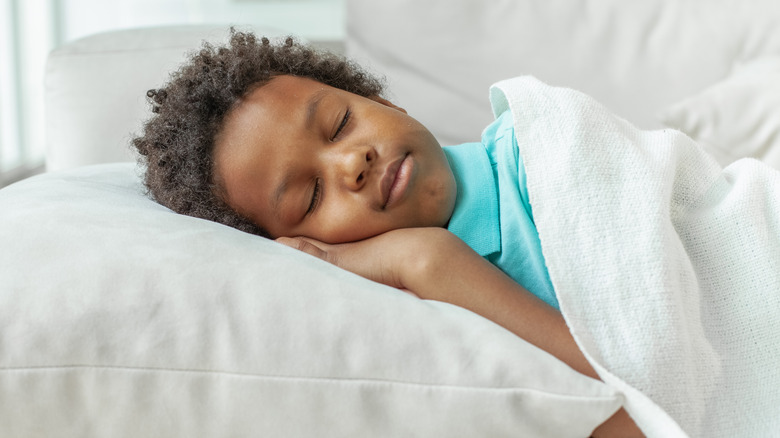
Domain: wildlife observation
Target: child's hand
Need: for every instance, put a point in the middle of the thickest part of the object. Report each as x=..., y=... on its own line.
x=391, y=258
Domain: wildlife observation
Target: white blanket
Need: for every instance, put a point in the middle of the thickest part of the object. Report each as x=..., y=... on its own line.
x=666, y=266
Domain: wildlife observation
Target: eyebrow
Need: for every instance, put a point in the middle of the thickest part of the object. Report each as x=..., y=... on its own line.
x=313, y=105
x=276, y=200
x=311, y=111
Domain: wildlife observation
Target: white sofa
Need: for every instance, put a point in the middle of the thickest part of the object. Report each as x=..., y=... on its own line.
x=658, y=63
x=120, y=318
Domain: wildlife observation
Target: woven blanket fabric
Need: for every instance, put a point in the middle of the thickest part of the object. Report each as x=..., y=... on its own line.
x=666, y=266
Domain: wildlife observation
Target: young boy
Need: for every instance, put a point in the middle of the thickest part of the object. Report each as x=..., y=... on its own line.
x=297, y=145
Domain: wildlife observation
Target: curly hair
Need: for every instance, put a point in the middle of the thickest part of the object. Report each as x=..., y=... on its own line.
x=177, y=143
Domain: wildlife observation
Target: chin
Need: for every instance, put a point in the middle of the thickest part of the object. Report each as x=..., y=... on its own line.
x=442, y=214
x=443, y=203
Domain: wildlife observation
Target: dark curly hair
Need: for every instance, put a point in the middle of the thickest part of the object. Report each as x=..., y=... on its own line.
x=177, y=143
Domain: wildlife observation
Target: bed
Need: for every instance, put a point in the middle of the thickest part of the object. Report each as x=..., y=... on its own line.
x=120, y=318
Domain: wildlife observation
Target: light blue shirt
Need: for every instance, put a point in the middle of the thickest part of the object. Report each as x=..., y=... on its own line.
x=492, y=214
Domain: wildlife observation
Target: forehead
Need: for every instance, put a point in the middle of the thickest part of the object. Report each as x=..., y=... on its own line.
x=254, y=134
x=283, y=90
x=276, y=104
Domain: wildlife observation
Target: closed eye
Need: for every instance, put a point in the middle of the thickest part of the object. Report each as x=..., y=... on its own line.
x=315, y=197
x=344, y=122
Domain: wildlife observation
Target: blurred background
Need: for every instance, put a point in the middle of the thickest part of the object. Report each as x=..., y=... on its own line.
x=29, y=29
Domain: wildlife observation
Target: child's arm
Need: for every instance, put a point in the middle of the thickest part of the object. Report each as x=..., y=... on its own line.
x=435, y=264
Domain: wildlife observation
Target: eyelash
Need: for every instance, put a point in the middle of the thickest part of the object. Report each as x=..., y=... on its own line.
x=315, y=197
x=344, y=122
x=317, y=193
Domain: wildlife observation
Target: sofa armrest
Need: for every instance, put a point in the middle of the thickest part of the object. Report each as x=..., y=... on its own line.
x=95, y=88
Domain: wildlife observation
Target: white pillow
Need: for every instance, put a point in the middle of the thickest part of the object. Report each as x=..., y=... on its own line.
x=119, y=318
x=737, y=117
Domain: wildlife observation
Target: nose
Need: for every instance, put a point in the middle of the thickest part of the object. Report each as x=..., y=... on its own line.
x=354, y=164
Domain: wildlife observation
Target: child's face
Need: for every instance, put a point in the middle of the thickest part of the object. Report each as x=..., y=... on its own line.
x=300, y=158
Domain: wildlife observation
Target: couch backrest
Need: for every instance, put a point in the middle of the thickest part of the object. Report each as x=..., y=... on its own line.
x=637, y=57
x=440, y=57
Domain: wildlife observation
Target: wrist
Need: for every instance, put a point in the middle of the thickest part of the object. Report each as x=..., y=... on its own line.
x=425, y=267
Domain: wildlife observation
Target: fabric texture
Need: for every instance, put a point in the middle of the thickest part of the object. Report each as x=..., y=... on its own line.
x=492, y=214
x=120, y=318
x=666, y=265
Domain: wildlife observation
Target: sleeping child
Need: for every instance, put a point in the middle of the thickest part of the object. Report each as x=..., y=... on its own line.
x=297, y=145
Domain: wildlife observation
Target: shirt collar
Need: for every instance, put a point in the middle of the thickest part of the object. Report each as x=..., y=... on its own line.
x=475, y=217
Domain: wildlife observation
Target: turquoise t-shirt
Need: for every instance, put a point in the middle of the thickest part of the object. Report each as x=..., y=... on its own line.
x=492, y=214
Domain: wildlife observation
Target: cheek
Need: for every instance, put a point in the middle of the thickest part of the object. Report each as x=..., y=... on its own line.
x=344, y=222
x=438, y=199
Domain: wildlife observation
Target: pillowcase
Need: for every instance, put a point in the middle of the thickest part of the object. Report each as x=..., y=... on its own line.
x=120, y=318
x=737, y=117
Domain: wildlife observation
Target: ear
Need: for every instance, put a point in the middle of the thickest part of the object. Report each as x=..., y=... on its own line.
x=386, y=102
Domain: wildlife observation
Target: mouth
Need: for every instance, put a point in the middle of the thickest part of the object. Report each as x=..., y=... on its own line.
x=396, y=180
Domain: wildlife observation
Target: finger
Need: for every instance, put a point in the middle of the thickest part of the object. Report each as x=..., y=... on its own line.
x=408, y=292
x=305, y=245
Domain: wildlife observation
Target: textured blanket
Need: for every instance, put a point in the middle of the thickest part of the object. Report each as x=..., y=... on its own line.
x=666, y=266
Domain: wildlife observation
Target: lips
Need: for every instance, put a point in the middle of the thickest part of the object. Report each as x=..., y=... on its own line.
x=395, y=180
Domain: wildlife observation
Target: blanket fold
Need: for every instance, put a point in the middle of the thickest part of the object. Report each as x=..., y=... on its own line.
x=666, y=266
